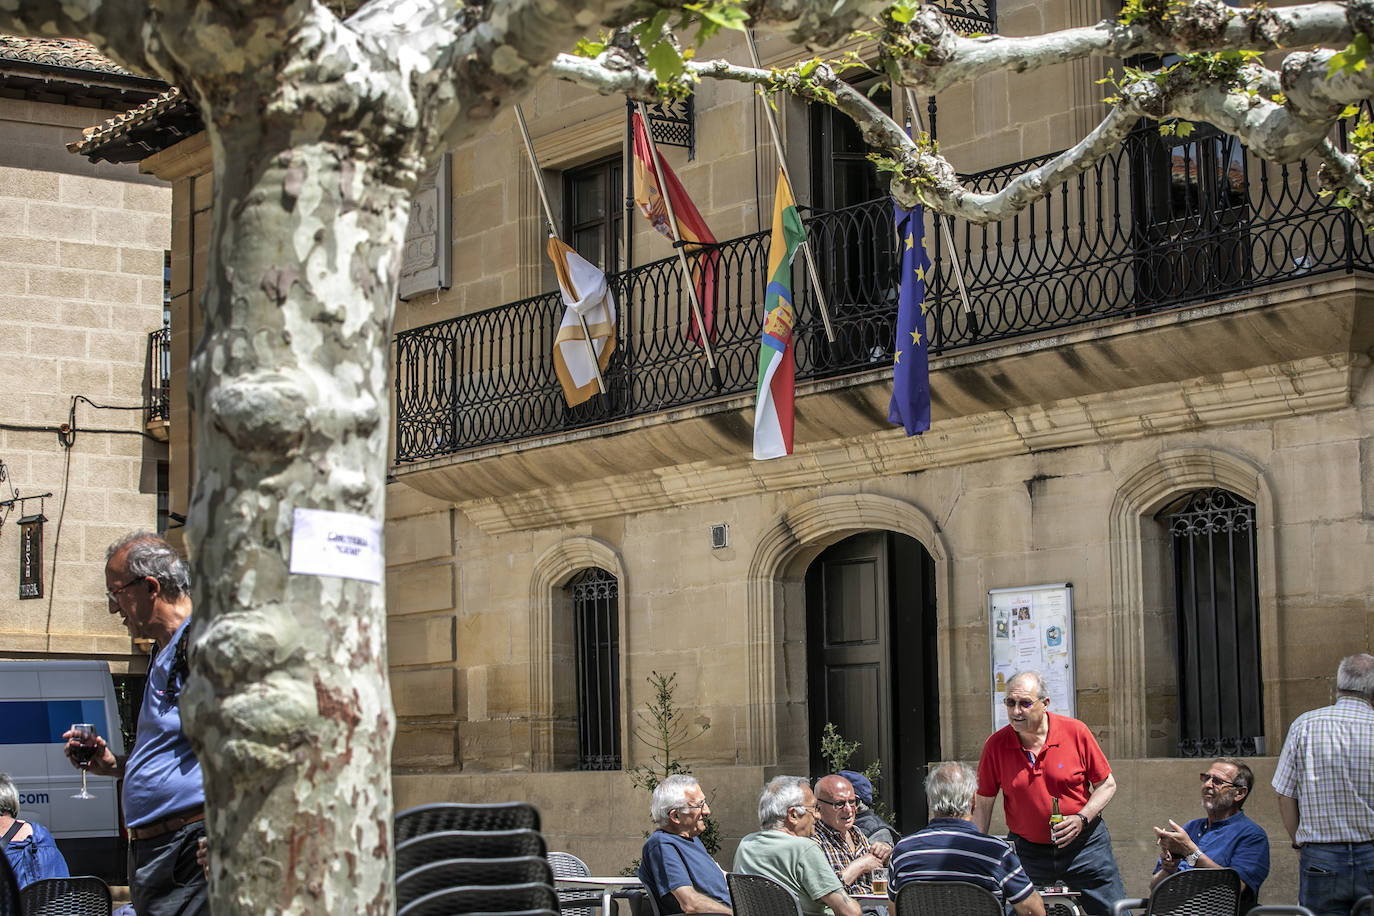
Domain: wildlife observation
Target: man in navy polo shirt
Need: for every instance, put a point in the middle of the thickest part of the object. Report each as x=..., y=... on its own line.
x=951, y=848
x=674, y=865
x=1225, y=838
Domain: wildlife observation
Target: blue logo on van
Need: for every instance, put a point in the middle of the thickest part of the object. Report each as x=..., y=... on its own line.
x=33, y=798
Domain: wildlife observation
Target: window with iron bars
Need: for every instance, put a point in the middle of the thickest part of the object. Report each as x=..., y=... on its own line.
x=1216, y=613
x=595, y=595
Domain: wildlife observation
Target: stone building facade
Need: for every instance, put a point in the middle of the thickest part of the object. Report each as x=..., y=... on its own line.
x=1183, y=320
x=81, y=291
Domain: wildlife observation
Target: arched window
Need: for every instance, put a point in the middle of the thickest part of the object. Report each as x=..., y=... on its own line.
x=1216, y=614
x=595, y=603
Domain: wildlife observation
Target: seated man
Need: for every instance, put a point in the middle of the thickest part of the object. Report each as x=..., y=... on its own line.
x=1225, y=838
x=850, y=853
x=674, y=865
x=783, y=850
x=951, y=848
x=874, y=827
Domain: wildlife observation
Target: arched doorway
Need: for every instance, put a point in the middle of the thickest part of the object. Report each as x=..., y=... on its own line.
x=872, y=660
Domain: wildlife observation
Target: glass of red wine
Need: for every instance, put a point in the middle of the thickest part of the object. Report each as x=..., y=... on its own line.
x=83, y=752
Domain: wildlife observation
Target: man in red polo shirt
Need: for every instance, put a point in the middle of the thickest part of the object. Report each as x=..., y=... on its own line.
x=1037, y=758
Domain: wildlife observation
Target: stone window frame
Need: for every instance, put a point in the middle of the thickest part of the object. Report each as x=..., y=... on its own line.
x=552, y=571
x=776, y=584
x=1140, y=495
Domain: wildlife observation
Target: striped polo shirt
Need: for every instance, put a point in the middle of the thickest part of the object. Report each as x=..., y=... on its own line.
x=952, y=849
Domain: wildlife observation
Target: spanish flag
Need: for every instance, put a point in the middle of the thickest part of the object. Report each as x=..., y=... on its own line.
x=702, y=255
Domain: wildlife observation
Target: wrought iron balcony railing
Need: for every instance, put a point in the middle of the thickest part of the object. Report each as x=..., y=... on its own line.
x=1162, y=222
x=157, y=400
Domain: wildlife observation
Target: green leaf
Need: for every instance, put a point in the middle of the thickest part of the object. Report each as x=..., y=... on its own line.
x=587, y=48
x=1185, y=128
x=665, y=61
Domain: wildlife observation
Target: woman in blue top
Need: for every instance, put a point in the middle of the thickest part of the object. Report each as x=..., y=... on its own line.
x=32, y=852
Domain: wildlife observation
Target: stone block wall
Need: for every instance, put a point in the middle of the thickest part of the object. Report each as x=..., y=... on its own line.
x=81, y=287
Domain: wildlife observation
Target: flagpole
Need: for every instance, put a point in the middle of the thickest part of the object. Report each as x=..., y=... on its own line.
x=948, y=236
x=548, y=218
x=681, y=254
x=805, y=246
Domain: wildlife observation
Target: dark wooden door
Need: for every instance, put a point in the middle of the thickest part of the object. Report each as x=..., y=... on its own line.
x=871, y=661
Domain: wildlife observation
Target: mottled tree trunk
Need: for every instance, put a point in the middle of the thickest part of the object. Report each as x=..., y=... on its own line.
x=290, y=710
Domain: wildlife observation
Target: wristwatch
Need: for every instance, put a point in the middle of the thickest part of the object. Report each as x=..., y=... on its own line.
x=1192, y=857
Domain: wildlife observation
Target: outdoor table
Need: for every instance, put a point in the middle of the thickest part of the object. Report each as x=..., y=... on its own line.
x=607, y=886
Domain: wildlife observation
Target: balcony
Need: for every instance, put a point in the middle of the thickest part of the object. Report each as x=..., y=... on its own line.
x=1164, y=227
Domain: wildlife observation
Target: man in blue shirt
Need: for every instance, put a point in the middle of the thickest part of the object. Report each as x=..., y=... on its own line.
x=1225, y=838
x=674, y=865
x=147, y=584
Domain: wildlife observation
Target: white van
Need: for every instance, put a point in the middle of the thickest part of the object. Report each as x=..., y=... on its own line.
x=39, y=700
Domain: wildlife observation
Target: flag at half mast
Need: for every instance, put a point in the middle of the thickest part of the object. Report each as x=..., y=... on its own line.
x=649, y=189
x=586, y=293
x=910, y=405
x=773, y=406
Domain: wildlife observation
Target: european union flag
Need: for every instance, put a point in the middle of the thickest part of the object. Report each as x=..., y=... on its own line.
x=910, y=404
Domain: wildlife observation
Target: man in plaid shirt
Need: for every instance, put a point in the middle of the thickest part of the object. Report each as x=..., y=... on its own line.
x=850, y=853
x=1325, y=782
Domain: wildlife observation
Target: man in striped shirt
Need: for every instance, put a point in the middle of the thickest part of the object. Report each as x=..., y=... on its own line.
x=951, y=848
x=1325, y=783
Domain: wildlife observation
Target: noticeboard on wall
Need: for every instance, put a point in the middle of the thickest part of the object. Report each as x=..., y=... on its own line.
x=1031, y=629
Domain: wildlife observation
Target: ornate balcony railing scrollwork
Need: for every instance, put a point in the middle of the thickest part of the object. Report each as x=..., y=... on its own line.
x=1162, y=222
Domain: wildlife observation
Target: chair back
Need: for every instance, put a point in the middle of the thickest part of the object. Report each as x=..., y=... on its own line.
x=85, y=895
x=948, y=898
x=446, y=816
x=513, y=898
x=755, y=895
x=1364, y=906
x=1291, y=909
x=475, y=874
x=9, y=889
x=573, y=901
x=467, y=844
x=1197, y=892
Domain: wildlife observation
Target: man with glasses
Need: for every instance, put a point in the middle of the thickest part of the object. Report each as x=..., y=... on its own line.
x=1036, y=759
x=1325, y=781
x=674, y=864
x=1225, y=838
x=783, y=850
x=147, y=584
x=850, y=853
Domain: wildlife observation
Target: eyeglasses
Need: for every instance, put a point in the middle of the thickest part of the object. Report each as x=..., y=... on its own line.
x=112, y=593
x=847, y=803
x=1214, y=780
x=1021, y=704
x=697, y=807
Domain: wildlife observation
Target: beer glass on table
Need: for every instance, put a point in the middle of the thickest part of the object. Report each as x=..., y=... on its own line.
x=880, y=880
x=83, y=752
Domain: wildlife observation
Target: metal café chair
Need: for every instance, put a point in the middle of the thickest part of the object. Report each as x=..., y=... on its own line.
x=1195, y=892
x=467, y=844
x=85, y=895
x=515, y=898
x=445, y=816
x=1364, y=906
x=948, y=898
x=1283, y=909
x=447, y=873
x=9, y=889
x=573, y=901
x=755, y=895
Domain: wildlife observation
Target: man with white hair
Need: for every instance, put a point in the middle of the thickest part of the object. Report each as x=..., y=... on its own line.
x=783, y=849
x=951, y=848
x=674, y=864
x=1325, y=783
